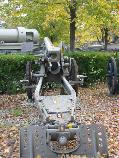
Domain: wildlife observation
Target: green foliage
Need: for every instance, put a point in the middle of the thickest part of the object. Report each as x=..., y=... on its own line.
x=52, y=18
x=47, y=16
x=12, y=68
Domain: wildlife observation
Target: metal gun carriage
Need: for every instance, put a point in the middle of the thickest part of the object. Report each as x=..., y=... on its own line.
x=58, y=132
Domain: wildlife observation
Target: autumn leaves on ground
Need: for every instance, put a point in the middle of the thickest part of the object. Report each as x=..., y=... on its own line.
x=97, y=107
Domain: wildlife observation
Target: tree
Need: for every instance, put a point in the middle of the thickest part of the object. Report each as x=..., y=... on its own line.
x=48, y=17
x=66, y=20
x=101, y=12
x=52, y=18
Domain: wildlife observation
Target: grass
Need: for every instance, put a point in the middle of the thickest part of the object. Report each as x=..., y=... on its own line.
x=16, y=112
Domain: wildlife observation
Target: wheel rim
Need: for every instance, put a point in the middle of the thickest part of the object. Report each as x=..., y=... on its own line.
x=29, y=78
x=112, y=75
x=28, y=72
x=73, y=74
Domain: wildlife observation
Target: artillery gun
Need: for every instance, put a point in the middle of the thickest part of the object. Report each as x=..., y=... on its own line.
x=113, y=76
x=58, y=133
x=18, y=40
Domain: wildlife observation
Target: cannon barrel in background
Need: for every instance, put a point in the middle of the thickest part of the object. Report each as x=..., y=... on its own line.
x=19, y=35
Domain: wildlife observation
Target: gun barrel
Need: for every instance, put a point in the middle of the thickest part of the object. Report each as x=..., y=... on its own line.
x=49, y=46
x=19, y=35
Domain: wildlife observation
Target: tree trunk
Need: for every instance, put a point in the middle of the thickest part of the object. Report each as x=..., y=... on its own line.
x=72, y=24
x=102, y=35
x=105, y=37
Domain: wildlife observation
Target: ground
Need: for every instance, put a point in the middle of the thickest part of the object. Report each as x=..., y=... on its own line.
x=96, y=106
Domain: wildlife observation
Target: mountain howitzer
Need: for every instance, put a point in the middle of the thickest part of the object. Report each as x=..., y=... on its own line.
x=53, y=88
x=113, y=76
x=58, y=131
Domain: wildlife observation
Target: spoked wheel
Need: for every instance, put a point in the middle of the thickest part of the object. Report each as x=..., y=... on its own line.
x=112, y=79
x=73, y=74
x=29, y=78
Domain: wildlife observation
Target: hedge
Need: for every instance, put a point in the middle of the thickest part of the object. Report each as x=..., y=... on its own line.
x=12, y=68
x=93, y=64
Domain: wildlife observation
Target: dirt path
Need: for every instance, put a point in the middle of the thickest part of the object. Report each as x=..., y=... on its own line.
x=96, y=106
